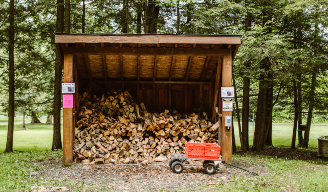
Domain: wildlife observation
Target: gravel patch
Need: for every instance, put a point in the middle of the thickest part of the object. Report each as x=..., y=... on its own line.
x=153, y=177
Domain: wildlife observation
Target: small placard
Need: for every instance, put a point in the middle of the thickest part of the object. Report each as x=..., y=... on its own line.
x=68, y=101
x=227, y=104
x=68, y=87
x=227, y=92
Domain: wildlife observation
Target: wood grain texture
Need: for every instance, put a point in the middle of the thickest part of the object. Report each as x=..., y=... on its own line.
x=226, y=133
x=148, y=39
x=68, y=115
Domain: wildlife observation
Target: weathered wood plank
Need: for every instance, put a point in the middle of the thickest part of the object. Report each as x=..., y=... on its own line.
x=204, y=68
x=144, y=51
x=68, y=115
x=148, y=82
x=188, y=68
x=216, y=88
x=147, y=39
x=226, y=133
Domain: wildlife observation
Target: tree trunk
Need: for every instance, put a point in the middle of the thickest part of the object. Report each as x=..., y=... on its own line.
x=313, y=83
x=35, y=119
x=293, y=146
x=246, y=84
x=56, y=143
x=49, y=119
x=268, y=138
x=311, y=101
x=83, y=17
x=299, y=103
x=24, y=127
x=67, y=16
x=146, y=19
x=10, y=134
x=139, y=15
x=237, y=110
x=125, y=20
x=262, y=112
x=178, y=17
x=234, y=148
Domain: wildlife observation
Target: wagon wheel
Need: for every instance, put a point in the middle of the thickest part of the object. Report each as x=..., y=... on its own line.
x=177, y=167
x=210, y=168
x=172, y=161
x=207, y=161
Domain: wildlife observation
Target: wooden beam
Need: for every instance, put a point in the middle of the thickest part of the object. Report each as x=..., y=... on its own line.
x=204, y=68
x=148, y=39
x=144, y=51
x=188, y=68
x=226, y=133
x=68, y=115
x=201, y=97
x=148, y=82
x=216, y=88
x=186, y=98
x=87, y=63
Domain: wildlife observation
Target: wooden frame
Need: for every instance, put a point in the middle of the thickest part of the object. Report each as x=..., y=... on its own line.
x=201, y=49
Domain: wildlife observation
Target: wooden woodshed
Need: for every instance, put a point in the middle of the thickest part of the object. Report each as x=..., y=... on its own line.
x=182, y=72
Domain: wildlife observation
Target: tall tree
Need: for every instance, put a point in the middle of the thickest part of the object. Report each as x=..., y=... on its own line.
x=11, y=114
x=264, y=102
x=57, y=144
x=245, y=107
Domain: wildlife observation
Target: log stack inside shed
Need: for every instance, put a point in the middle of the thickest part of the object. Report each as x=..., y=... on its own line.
x=142, y=96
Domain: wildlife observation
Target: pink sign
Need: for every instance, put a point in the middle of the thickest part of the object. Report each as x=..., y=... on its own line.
x=68, y=101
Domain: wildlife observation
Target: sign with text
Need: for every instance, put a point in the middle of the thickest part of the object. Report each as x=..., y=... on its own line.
x=227, y=104
x=68, y=101
x=227, y=92
x=68, y=87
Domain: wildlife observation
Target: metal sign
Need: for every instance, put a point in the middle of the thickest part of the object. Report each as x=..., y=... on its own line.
x=227, y=92
x=68, y=87
x=227, y=104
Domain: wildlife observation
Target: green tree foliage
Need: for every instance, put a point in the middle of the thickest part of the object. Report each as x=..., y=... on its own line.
x=283, y=51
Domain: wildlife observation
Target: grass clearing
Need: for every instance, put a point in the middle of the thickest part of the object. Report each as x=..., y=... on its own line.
x=33, y=145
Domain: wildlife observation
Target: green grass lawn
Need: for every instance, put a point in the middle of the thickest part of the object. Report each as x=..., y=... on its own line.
x=35, y=143
x=282, y=134
x=37, y=137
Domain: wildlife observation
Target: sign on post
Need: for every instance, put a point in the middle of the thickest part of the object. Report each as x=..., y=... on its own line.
x=68, y=101
x=227, y=92
x=227, y=104
x=68, y=87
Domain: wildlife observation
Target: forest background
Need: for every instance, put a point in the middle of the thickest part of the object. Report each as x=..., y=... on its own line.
x=280, y=70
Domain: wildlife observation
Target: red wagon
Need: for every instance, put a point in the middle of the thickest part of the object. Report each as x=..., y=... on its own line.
x=209, y=152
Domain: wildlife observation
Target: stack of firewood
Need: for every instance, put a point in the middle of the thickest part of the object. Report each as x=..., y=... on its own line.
x=114, y=129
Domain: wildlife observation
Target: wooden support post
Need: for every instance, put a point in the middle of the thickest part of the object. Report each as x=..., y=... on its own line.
x=216, y=88
x=68, y=115
x=87, y=63
x=226, y=133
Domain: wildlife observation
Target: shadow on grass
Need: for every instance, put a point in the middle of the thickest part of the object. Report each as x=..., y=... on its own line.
x=286, y=153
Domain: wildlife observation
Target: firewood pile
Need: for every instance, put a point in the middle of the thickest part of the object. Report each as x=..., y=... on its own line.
x=114, y=129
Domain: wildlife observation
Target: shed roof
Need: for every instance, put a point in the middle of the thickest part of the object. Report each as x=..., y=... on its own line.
x=147, y=57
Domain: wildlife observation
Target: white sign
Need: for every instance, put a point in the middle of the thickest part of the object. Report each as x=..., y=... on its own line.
x=68, y=87
x=227, y=92
x=227, y=104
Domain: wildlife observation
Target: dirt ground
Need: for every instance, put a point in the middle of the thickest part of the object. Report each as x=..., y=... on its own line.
x=157, y=176
x=153, y=177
